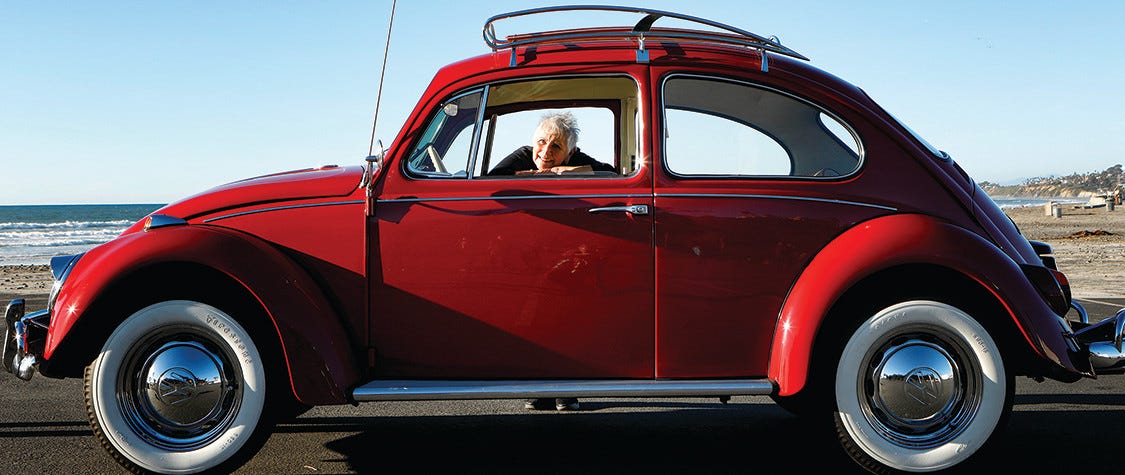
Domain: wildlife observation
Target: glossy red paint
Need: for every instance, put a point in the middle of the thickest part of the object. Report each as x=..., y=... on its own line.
x=325, y=182
x=492, y=278
x=895, y=240
x=546, y=289
x=305, y=322
x=725, y=263
x=325, y=239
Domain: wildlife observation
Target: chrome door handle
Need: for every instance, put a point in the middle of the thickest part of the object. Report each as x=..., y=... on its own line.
x=631, y=209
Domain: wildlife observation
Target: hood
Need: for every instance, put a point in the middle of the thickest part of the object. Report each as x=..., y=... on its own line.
x=323, y=182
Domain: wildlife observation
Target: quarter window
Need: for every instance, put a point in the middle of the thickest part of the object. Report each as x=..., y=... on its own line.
x=446, y=145
x=723, y=128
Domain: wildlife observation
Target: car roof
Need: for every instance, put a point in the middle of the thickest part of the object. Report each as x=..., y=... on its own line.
x=720, y=46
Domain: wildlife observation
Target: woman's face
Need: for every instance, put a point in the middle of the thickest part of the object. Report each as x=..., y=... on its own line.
x=549, y=149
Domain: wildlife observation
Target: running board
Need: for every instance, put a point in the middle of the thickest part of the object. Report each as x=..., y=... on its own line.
x=423, y=390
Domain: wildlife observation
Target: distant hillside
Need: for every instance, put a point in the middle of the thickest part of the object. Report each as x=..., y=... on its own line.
x=1071, y=186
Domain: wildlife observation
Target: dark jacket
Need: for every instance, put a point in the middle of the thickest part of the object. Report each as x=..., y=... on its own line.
x=521, y=160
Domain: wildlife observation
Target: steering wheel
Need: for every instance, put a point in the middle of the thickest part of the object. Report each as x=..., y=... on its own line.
x=435, y=158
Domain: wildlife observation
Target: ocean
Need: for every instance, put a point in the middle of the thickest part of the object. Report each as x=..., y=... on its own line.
x=33, y=234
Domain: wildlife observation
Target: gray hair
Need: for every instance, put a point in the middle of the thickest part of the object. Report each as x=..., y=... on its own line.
x=562, y=123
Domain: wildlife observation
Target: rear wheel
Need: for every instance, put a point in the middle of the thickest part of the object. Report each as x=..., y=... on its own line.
x=920, y=387
x=179, y=387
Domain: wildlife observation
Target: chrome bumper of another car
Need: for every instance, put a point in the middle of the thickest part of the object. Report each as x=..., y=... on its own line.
x=24, y=337
x=1104, y=341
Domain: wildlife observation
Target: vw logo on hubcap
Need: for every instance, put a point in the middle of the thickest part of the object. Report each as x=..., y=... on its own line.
x=923, y=385
x=176, y=386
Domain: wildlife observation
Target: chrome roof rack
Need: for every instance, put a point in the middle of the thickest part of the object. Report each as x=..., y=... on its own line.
x=641, y=31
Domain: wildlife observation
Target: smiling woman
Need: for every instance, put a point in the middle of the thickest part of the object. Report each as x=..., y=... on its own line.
x=596, y=125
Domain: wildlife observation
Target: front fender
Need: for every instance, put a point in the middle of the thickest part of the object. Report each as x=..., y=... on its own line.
x=897, y=240
x=316, y=349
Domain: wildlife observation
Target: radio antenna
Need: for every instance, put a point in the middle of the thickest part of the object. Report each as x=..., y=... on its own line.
x=379, y=95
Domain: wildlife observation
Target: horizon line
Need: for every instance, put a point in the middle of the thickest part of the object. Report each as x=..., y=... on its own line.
x=83, y=204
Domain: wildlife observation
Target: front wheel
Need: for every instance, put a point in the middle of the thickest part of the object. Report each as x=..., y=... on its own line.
x=920, y=387
x=179, y=387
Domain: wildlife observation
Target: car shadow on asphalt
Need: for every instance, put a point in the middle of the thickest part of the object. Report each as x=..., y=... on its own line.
x=686, y=438
x=1080, y=399
x=45, y=429
x=676, y=438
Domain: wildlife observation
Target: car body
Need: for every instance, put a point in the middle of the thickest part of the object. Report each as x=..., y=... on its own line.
x=769, y=230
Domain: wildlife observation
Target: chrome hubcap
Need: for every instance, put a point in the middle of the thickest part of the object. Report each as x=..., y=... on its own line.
x=918, y=390
x=179, y=390
x=183, y=385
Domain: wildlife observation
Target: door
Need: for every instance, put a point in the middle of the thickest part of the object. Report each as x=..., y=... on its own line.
x=478, y=276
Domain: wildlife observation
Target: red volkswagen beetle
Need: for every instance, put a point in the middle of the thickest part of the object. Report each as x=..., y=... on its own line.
x=754, y=226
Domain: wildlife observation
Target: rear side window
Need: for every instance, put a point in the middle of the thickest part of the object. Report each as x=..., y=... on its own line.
x=715, y=127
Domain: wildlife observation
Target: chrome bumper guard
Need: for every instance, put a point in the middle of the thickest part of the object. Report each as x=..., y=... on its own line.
x=24, y=338
x=1104, y=341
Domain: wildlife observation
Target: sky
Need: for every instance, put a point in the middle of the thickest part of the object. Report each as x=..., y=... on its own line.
x=150, y=102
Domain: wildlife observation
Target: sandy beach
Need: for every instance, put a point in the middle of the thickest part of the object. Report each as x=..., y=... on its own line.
x=25, y=281
x=1089, y=246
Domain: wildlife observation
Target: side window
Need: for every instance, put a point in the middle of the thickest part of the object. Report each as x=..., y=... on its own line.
x=445, y=148
x=463, y=141
x=513, y=131
x=723, y=128
x=720, y=146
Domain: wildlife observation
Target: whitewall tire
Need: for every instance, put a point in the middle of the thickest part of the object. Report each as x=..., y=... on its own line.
x=920, y=387
x=179, y=387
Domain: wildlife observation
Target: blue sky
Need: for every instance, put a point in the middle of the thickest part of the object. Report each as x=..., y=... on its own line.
x=149, y=102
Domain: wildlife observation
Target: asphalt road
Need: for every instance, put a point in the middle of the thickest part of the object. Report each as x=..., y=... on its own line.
x=1054, y=428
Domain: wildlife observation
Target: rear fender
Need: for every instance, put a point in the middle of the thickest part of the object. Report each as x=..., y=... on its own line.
x=317, y=352
x=897, y=240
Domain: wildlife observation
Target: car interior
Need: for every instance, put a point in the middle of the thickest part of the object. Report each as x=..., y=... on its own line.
x=461, y=136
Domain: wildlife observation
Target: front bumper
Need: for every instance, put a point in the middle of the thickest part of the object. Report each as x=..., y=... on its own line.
x=24, y=339
x=1103, y=340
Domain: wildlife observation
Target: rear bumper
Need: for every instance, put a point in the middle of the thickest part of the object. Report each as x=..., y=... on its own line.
x=24, y=337
x=1103, y=340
